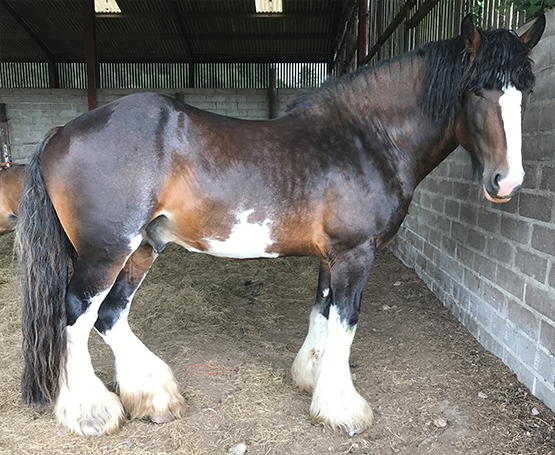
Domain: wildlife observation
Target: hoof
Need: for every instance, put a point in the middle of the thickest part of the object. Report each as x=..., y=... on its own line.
x=352, y=414
x=160, y=406
x=163, y=418
x=104, y=415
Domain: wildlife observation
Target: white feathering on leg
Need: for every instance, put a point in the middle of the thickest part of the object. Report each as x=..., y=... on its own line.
x=335, y=401
x=308, y=358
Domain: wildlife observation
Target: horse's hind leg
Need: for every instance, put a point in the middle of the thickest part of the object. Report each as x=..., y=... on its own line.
x=146, y=384
x=84, y=405
x=306, y=363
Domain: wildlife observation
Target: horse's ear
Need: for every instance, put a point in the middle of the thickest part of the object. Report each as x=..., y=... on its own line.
x=471, y=36
x=531, y=36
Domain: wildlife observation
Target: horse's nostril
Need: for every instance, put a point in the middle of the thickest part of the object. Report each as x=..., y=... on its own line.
x=495, y=181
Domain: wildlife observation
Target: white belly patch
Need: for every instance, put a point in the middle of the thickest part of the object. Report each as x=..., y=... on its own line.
x=247, y=240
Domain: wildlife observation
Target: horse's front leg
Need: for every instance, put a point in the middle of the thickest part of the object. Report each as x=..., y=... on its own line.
x=306, y=363
x=335, y=401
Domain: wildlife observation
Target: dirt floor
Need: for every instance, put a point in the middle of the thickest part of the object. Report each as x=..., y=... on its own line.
x=230, y=331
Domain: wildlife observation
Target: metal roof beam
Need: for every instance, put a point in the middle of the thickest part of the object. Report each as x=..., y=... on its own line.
x=197, y=16
x=320, y=57
x=172, y=36
x=172, y=6
x=28, y=31
x=53, y=76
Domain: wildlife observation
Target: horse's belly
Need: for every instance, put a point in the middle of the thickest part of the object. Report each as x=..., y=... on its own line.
x=245, y=240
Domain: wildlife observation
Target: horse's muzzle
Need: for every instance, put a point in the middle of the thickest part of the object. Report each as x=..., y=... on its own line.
x=500, y=199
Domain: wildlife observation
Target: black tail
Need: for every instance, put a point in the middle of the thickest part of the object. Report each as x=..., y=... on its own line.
x=43, y=250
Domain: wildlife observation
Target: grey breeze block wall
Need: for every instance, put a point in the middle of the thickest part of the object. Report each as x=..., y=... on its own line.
x=493, y=265
x=32, y=112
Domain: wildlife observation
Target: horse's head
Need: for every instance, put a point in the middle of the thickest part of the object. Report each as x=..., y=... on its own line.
x=494, y=89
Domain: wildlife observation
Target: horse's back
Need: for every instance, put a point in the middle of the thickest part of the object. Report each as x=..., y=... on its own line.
x=291, y=183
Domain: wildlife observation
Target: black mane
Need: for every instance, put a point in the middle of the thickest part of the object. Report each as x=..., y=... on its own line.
x=502, y=59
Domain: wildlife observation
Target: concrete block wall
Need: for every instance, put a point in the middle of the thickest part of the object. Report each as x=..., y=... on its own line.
x=493, y=265
x=32, y=112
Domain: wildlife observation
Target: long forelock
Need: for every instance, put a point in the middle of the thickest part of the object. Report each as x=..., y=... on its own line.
x=503, y=60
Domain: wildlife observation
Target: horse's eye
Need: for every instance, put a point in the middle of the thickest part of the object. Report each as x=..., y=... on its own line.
x=478, y=92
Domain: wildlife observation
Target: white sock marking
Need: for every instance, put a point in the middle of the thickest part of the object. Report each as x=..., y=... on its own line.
x=308, y=358
x=511, y=114
x=138, y=370
x=335, y=400
x=84, y=404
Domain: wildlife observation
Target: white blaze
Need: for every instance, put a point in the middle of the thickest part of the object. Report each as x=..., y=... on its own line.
x=511, y=114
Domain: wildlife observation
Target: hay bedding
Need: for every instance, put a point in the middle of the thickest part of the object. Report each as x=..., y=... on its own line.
x=230, y=330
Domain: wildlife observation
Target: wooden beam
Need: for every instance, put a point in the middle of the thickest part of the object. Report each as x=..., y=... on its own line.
x=90, y=52
x=335, y=30
x=421, y=13
x=397, y=20
x=272, y=94
x=348, y=12
x=362, y=31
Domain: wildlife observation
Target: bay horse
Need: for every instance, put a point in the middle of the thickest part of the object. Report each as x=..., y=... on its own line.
x=333, y=177
x=11, y=189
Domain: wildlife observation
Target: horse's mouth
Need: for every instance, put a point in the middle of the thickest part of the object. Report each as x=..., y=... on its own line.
x=496, y=199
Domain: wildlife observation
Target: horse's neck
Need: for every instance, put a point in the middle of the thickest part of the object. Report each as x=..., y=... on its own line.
x=392, y=101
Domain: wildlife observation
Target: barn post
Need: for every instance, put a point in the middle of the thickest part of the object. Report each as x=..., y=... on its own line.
x=4, y=138
x=91, y=58
x=272, y=94
x=362, y=49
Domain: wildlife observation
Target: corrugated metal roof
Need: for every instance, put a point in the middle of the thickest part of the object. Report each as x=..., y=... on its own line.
x=172, y=30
